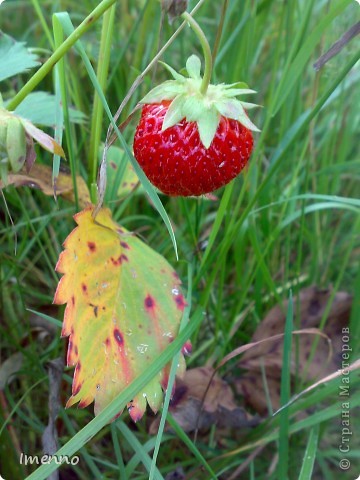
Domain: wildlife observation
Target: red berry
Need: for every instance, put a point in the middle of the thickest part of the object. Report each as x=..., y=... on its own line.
x=176, y=161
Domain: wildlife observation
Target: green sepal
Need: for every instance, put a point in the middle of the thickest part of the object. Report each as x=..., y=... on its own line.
x=193, y=67
x=241, y=85
x=234, y=109
x=250, y=106
x=234, y=92
x=207, y=125
x=174, y=113
x=166, y=91
x=173, y=72
x=205, y=109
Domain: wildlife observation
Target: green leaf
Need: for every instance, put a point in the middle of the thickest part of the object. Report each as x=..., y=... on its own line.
x=207, y=126
x=193, y=66
x=40, y=108
x=14, y=57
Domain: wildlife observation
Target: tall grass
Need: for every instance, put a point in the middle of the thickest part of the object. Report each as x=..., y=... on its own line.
x=290, y=220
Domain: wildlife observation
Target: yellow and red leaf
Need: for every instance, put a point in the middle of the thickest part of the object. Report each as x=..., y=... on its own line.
x=124, y=306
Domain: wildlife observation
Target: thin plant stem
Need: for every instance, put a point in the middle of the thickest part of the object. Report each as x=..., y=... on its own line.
x=219, y=30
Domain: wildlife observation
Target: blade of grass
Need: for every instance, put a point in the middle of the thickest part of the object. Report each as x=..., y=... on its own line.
x=285, y=394
x=191, y=446
x=171, y=381
x=307, y=466
x=117, y=451
x=139, y=449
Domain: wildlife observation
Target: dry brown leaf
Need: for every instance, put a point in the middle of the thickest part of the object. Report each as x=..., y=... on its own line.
x=40, y=177
x=309, y=307
x=219, y=407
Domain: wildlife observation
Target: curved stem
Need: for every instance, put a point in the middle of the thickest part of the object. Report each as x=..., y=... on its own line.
x=206, y=50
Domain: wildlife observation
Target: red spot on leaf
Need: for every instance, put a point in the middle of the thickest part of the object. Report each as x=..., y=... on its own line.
x=113, y=165
x=135, y=413
x=118, y=337
x=76, y=350
x=92, y=246
x=187, y=348
x=76, y=389
x=117, y=262
x=73, y=300
x=84, y=287
x=149, y=302
x=180, y=302
x=85, y=402
x=125, y=245
x=107, y=342
x=165, y=381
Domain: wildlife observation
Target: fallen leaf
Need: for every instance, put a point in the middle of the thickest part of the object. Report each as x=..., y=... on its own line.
x=9, y=368
x=309, y=308
x=192, y=409
x=124, y=307
x=40, y=177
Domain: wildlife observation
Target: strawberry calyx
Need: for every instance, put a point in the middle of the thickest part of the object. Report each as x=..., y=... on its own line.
x=206, y=109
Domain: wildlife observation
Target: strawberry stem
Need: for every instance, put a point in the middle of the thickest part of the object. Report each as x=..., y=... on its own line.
x=206, y=50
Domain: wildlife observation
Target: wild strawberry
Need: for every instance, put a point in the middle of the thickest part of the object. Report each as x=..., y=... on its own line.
x=189, y=142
